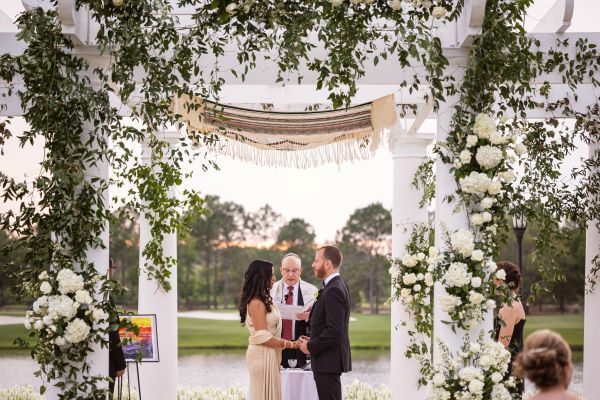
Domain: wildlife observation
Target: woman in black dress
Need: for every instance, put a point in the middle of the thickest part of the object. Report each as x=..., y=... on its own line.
x=511, y=318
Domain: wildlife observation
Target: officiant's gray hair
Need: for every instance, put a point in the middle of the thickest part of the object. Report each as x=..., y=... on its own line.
x=294, y=256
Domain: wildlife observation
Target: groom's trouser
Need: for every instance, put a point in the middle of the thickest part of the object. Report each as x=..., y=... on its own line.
x=329, y=386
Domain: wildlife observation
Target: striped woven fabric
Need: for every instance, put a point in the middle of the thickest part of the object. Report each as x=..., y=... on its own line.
x=293, y=139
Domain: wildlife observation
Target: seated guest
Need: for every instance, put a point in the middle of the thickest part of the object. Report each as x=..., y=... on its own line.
x=546, y=361
x=511, y=317
x=292, y=290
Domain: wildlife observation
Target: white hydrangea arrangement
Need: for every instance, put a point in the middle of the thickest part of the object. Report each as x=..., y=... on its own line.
x=413, y=277
x=476, y=372
x=67, y=317
x=483, y=164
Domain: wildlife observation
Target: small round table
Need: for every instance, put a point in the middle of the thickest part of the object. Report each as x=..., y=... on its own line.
x=297, y=384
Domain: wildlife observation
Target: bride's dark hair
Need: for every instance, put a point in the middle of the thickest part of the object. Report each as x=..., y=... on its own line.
x=257, y=285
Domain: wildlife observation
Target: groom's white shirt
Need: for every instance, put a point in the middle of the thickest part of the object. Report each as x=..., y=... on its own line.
x=279, y=290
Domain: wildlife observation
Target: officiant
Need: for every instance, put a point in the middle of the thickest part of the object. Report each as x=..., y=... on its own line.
x=291, y=290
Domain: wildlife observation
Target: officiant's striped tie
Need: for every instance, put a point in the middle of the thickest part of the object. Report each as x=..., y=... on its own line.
x=286, y=332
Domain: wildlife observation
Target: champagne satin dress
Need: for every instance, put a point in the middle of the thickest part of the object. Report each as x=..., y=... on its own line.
x=262, y=361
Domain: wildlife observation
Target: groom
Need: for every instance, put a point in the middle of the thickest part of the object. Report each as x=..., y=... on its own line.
x=329, y=345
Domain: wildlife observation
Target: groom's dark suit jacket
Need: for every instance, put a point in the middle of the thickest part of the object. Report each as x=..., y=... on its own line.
x=329, y=344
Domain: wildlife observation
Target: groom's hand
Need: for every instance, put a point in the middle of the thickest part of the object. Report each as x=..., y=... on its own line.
x=303, y=344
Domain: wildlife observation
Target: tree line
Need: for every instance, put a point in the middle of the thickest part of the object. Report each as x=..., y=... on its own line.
x=214, y=254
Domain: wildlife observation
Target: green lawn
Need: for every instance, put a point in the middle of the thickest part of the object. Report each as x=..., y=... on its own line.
x=367, y=332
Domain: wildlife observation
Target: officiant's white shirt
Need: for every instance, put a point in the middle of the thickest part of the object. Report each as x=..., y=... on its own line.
x=280, y=289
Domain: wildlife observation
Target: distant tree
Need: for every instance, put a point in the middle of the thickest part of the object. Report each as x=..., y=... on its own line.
x=223, y=225
x=298, y=236
x=370, y=229
x=124, y=250
x=262, y=226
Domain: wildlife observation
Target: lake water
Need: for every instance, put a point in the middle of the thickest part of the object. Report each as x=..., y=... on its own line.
x=226, y=368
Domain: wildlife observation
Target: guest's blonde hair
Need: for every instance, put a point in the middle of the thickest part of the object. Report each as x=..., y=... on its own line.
x=544, y=359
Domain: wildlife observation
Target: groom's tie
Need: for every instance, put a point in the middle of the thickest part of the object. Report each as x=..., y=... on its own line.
x=287, y=323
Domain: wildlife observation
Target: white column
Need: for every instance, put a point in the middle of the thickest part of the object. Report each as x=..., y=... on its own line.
x=159, y=380
x=591, y=349
x=98, y=356
x=408, y=153
x=446, y=220
x=99, y=256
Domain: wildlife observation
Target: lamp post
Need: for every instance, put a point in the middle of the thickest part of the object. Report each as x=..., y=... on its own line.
x=519, y=226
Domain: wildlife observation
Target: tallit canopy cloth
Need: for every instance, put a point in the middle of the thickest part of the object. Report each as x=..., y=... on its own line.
x=290, y=139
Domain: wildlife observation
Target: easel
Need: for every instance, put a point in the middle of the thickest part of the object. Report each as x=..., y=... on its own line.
x=120, y=383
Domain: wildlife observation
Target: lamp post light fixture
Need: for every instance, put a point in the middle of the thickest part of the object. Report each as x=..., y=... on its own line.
x=519, y=226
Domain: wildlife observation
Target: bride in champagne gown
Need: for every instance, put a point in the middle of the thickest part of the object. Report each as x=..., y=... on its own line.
x=263, y=321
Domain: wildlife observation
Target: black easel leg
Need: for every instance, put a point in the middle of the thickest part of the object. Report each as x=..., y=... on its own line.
x=137, y=367
x=128, y=384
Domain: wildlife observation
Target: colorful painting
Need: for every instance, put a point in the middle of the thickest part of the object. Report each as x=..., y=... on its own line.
x=142, y=347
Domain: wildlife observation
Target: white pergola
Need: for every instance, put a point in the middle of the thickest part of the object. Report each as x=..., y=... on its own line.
x=408, y=145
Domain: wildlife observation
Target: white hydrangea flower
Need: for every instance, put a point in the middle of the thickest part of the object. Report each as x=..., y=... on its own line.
x=232, y=8
x=417, y=288
x=60, y=341
x=474, y=347
x=76, y=331
x=395, y=4
x=69, y=281
x=476, y=282
x=475, y=182
x=83, y=296
x=438, y=379
x=477, y=255
x=476, y=298
x=487, y=202
x=420, y=256
x=433, y=251
x=43, y=276
x=429, y=279
x=465, y=156
x=487, y=216
x=508, y=176
x=409, y=279
x=471, y=141
x=490, y=304
x=40, y=304
x=449, y=302
x=484, y=125
x=476, y=387
x=497, y=138
x=38, y=325
x=427, y=3
x=45, y=287
x=494, y=188
x=439, y=393
x=439, y=12
x=457, y=275
x=491, y=266
x=409, y=260
x=520, y=149
x=61, y=307
x=488, y=156
x=476, y=219
x=499, y=392
x=405, y=293
x=420, y=276
x=462, y=241
x=501, y=274
x=497, y=377
x=470, y=373
x=99, y=314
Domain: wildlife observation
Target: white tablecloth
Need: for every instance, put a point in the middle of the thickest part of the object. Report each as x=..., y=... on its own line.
x=298, y=385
